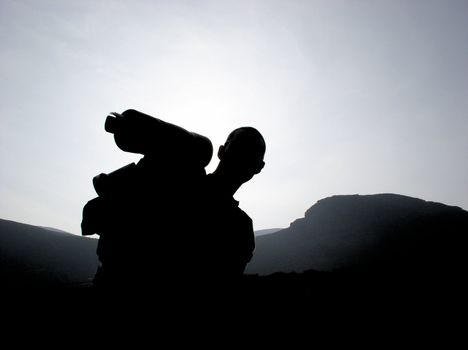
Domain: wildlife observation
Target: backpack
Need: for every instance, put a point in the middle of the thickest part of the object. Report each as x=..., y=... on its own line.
x=169, y=152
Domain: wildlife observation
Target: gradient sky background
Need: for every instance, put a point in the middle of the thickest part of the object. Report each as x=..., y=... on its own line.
x=352, y=96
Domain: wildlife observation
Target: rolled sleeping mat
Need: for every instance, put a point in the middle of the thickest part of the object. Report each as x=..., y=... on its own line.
x=118, y=181
x=137, y=132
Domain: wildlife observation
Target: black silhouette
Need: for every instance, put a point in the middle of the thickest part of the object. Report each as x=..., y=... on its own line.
x=138, y=204
x=224, y=241
x=167, y=200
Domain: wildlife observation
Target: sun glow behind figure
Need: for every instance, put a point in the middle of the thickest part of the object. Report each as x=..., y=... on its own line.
x=351, y=97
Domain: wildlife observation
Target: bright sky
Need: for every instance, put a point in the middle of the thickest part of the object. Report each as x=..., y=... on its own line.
x=351, y=96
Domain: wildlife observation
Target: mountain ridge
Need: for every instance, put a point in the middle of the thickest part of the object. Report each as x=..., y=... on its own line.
x=338, y=231
x=359, y=233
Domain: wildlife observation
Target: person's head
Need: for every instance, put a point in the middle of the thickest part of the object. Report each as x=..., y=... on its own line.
x=241, y=156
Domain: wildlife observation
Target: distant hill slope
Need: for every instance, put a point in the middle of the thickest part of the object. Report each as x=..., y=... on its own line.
x=266, y=231
x=32, y=255
x=371, y=232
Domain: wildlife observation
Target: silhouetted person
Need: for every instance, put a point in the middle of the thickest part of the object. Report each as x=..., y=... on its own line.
x=225, y=242
x=163, y=223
